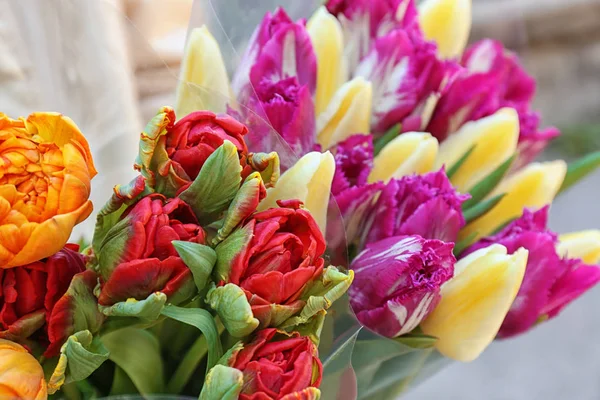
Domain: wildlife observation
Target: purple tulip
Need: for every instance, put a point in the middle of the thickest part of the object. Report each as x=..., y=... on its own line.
x=279, y=48
x=289, y=108
x=425, y=205
x=405, y=73
x=397, y=282
x=363, y=21
x=492, y=78
x=353, y=163
x=550, y=282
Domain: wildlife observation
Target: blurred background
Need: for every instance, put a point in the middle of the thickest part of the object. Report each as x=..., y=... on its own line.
x=110, y=64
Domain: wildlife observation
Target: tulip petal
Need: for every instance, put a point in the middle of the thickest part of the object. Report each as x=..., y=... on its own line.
x=495, y=140
x=21, y=375
x=475, y=302
x=533, y=187
x=584, y=245
x=309, y=181
x=328, y=43
x=409, y=153
x=448, y=23
x=348, y=113
x=204, y=84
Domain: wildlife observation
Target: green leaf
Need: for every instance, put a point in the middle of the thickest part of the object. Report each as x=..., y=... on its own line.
x=417, y=341
x=199, y=259
x=453, y=169
x=460, y=246
x=137, y=352
x=223, y=383
x=243, y=205
x=205, y=322
x=146, y=310
x=216, y=185
x=229, y=249
x=579, y=169
x=121, y=384
x=481, y=208
x=232, y=306
x=81, y=355
x=487, y=184
x=390, y=135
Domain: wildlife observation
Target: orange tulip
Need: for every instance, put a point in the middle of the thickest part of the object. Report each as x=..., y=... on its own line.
x=45, y=172
x=21, y=376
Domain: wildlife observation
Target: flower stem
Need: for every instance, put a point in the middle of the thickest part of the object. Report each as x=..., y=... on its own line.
x=188, y=365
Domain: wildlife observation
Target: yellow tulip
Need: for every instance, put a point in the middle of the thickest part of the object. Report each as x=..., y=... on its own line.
x=448, y=23
x=21, y=376
x=309, y=180
x=409, y=153
x=584, y=245
x=204, y=84
x=495, y=139
x=348, y=113
x=475, y=301
x=532, y=187
x=327, y=39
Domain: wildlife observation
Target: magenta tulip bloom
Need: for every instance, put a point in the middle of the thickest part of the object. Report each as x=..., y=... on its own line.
x=397, y=282
x=550, y=282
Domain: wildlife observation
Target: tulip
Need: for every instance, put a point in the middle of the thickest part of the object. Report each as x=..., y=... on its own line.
x=493, y=140
x=204, y=84
x=397, y=282
x=532, y=187
x=405, y=74
x=363, y=21
x=274, y=365
x=448, y=23
x=425, y=205
x=327, y=39
x=279, y=48
x=475, y=301
x=309, y=181
x=353, y=163
x=409, y=153
x=584, y=245
x=349, y=112
x=45, y=173
x=21, y=375
x=550, y=282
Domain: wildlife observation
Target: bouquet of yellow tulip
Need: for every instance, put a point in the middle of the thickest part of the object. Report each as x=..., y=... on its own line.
x=443, y=211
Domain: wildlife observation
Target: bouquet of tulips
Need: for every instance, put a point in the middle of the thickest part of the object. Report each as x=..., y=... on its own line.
x=362, y=151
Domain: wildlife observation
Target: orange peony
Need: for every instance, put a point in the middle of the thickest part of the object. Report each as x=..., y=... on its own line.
x=45, y=172
x=21, y=376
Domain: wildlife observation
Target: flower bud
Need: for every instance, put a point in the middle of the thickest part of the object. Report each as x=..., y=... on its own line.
x=21, y=375
x=448, y=23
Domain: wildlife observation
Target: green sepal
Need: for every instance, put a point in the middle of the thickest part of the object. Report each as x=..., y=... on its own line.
x=109, y=216
x=471, y=214
x=203, y=321
x=268, y=165
x=224, y=383
x=148, y=309
x=387, y=137
x=81, y=355
x=153, y=162
x=199, y=259
x=579, y=169
x=330, y=286
x=454, y=168
x=229, y=249
x=216, y=185
x=243, y=205
x=487, y=184
x=313, y=327
x=232, y=306
x=138, y=353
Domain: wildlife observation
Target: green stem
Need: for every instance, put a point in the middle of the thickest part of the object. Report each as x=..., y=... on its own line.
x=188, y=365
